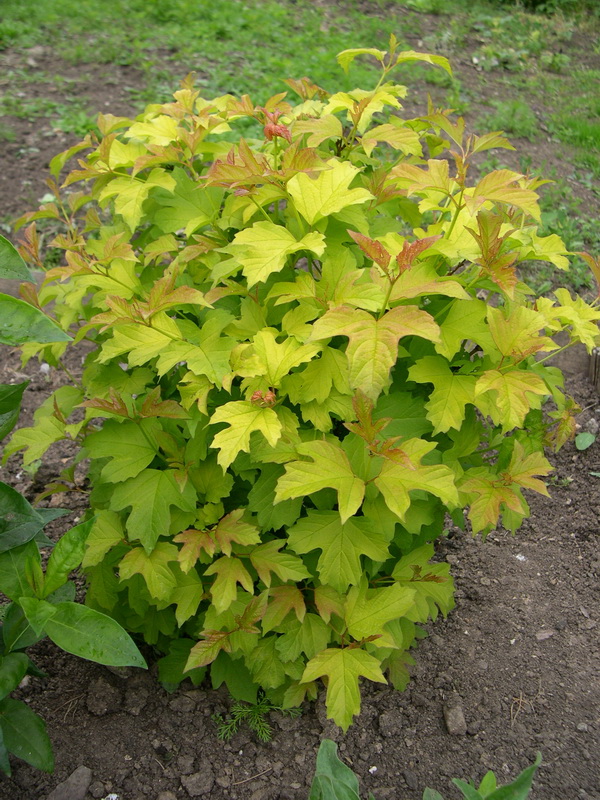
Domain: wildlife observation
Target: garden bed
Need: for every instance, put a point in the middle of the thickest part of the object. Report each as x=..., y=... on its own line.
x=518, y=655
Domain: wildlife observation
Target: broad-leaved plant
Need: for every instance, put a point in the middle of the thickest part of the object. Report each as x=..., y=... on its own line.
x=305, y=348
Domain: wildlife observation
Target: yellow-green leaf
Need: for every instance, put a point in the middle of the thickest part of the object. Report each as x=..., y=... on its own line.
x=263, y=249
x=368, y=610
x=343, y=668
x=130, y=193
x=513, y=394
x=328, y=467
x=243, y=418
x=229, y=571
x=267, y=559
x=451, y=392
x=397, y=479
x=328, y=193
x=373, y=343
x=154, y=567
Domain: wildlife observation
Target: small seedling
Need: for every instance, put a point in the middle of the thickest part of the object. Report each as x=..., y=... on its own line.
x=254, y=715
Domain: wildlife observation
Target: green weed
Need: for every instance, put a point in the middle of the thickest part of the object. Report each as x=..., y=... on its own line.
x=578, y=131
x=7, y=133
x=255, y=716
x=514, y=117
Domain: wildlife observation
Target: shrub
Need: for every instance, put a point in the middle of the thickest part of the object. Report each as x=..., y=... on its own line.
x=308, y=347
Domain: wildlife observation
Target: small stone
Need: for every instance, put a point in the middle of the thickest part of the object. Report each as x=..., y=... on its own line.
x=199, y=783
x=411, y=779
x=103, y=698
x=485, y=582
x=75, y=787
x=582, y=727
x=545, y=634
x=223, y=781
x=97, y=789
x=454, y=716
x=166, y=796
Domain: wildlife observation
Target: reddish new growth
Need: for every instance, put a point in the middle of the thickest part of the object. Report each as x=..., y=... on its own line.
x=273, y=129
x=266, y=400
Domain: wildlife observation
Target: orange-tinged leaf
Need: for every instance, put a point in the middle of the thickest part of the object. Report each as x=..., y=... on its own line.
x=593, y=264
x=153, y=406
x=254, y=611
x=498, y=265
x=412, y=250
x=522, y=469
x=516, y=331
x=233, y=529
x=566, y=426
x=501, y=186
x=372, y=249
x=417, y=179
x=329, y=601
x=396, y=480
x=305, y=88
x=366, y=428
x=282, y=600
x=489, y=493
x=513, y=395
x=194, y=543
x=116, y=405
x=207, y=649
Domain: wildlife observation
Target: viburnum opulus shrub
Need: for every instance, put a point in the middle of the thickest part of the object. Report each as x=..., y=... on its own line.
x=308, y=347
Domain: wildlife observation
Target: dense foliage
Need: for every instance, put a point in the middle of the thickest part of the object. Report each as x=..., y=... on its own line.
x=308, y=347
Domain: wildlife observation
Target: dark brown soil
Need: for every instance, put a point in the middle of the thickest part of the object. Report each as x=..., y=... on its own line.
x=519, y=654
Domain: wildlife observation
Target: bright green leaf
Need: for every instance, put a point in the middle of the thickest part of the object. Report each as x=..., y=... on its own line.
x=342, y=545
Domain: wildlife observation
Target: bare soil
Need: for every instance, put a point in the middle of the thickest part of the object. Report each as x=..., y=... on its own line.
x=519, y=655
